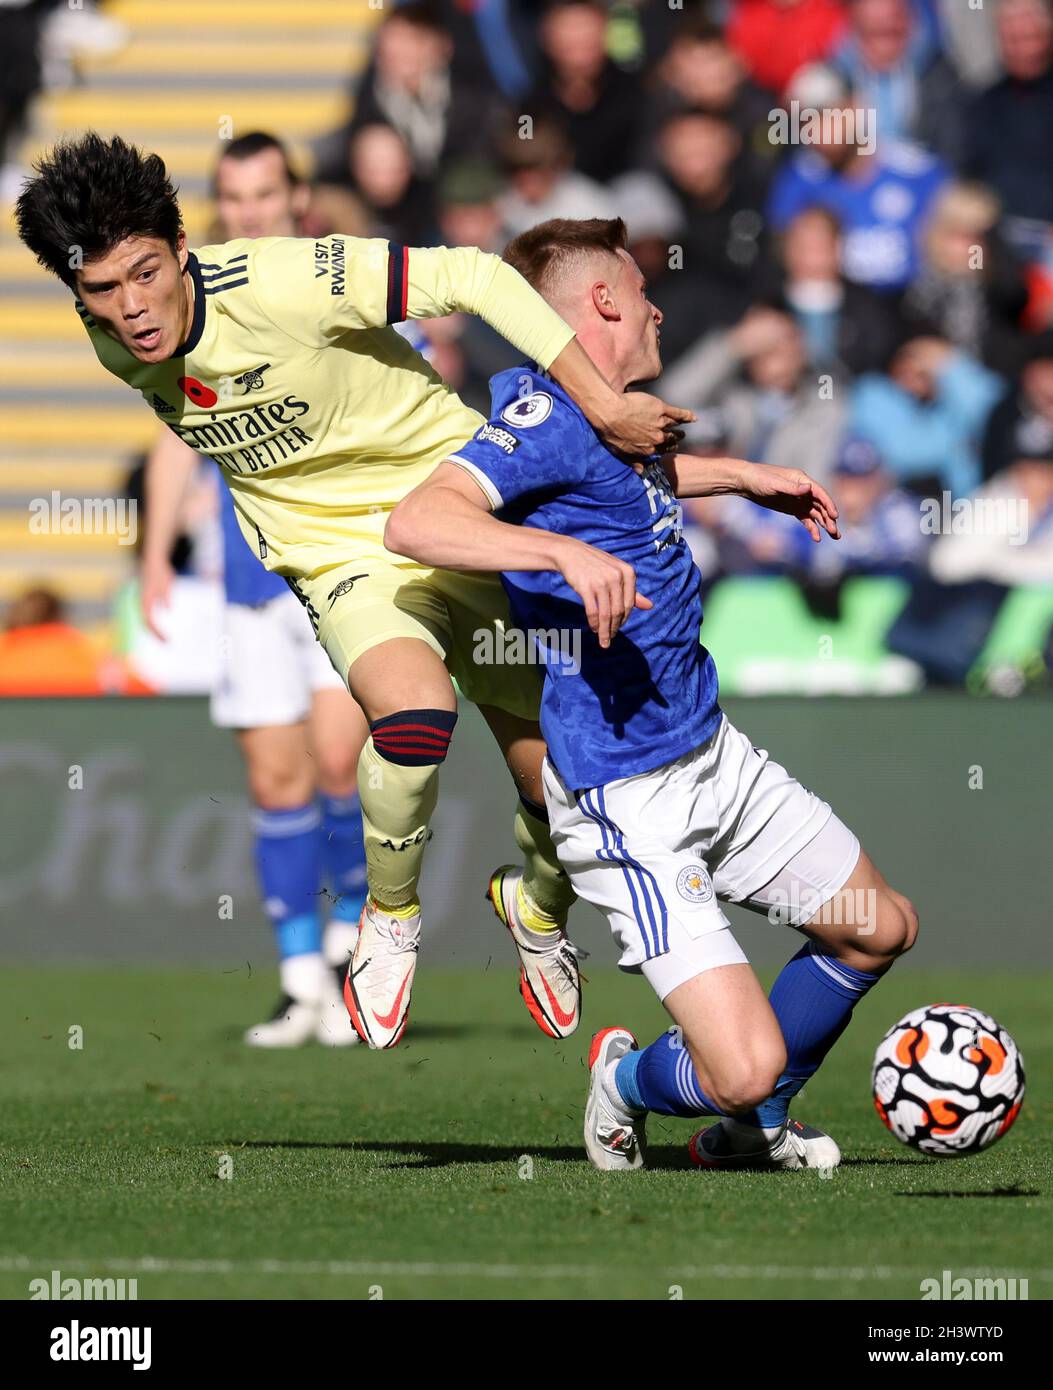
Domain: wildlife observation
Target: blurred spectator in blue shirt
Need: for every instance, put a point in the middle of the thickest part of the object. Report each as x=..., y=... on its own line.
x=880, y=198
x=880, y=524
x=927, y=415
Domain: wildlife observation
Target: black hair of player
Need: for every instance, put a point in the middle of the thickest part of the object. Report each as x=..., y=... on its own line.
x=88, y=196
x=421, y=14
x=257, y=142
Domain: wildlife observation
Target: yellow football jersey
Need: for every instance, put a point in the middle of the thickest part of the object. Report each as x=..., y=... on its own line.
x=319, y=413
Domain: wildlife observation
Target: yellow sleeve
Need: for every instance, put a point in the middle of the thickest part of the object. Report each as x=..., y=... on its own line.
x=317, y=290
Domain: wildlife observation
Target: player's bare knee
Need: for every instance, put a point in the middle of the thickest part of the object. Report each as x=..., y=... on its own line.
x=894, y=930
x=276, y=787
x=337, y=770
x=910, y=921
x=742, y=1088
x=898, y=925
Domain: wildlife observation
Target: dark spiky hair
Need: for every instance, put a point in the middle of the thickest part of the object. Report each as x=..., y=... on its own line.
x=90, y=195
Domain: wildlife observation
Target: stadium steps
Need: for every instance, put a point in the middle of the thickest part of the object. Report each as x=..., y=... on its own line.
x=186, y=74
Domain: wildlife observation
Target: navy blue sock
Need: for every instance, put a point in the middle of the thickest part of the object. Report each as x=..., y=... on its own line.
x=662, y=1078
x=344, y=856
x=813, y=999
x=289, y=864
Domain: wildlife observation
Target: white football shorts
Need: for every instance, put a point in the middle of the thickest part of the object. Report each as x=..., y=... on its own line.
x=657, y=853
x=271, y=665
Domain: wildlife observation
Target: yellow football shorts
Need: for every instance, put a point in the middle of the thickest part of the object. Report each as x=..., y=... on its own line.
x=357, y=604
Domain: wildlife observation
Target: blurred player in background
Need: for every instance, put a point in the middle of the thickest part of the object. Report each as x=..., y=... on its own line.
x=344, y=418
x=298, y=729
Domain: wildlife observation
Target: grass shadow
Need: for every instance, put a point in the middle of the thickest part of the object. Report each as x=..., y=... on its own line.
x=442, y=1154
x=1014, y=1191
x=423, y=1032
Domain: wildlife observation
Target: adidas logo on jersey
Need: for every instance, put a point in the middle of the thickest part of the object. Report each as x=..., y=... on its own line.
x=162, y=407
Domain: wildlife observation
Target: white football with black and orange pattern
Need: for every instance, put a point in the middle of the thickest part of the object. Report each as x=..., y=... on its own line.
x=948, y=1080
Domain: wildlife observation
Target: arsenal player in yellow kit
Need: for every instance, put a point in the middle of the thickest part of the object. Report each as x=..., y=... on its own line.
x=278, y=359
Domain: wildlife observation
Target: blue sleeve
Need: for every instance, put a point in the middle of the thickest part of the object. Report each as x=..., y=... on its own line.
x=788, y=195
x=538, y=441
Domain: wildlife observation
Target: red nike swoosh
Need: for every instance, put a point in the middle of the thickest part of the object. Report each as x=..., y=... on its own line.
x=388, y=1020
x=561, y=1018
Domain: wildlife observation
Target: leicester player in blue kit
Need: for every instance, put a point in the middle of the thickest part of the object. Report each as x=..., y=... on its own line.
x=660, y=808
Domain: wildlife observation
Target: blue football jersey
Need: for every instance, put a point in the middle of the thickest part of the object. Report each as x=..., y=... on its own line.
x=652, y=695
x=245, y=580
x=882, y=213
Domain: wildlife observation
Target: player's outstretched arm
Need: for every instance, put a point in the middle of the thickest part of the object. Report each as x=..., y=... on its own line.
x=169, y=468
x=443, y=279
x=447, y=522
x=787, y=490
x=297, y=288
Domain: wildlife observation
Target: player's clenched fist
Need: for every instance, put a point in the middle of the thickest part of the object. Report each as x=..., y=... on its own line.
x=605, y=585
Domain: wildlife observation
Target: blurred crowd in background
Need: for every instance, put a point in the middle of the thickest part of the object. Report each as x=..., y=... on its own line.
x=874, y=305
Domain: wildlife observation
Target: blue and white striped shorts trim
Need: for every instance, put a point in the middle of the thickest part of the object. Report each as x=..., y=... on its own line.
x=649, y=908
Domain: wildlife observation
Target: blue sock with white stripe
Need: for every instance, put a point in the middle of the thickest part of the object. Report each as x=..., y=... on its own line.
x=662, y=1078
x=813, y=999
x=344, y=856
x=289, y=864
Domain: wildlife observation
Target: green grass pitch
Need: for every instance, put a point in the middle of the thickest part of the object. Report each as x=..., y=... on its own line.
x=453, y=1166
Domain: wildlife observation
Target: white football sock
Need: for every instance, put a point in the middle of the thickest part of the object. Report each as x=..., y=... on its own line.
x=304, y=977
x=614, y=1096
x=746, y=1137
x=341, y=939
